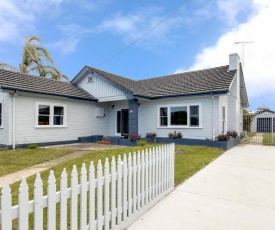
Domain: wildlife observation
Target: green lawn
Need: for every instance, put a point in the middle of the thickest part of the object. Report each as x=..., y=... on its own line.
x=188, y=160
x=15, y=160
x=267, y=139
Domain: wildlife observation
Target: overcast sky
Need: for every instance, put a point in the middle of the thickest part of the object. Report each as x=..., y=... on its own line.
x=201, y=34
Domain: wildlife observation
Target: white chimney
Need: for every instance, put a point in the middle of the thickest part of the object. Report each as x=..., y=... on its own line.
x=234, y=61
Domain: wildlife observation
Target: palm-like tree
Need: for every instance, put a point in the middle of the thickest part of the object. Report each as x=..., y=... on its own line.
x=33, y=57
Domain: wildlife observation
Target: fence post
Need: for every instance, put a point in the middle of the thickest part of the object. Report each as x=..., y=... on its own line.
x=119, y=188
x=113, y=192
x=106, y=194
x=99, y=195
x=74, y=196
x=63, y=199
x=83, y=197
x=51, y=201
x=92, y=196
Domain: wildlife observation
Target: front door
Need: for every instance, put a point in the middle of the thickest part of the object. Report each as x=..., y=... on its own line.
x=122, y=124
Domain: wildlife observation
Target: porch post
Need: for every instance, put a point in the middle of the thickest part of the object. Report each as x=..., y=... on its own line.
x=133, y=115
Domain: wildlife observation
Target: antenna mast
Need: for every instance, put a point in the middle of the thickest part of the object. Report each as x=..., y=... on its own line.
x=242, y=43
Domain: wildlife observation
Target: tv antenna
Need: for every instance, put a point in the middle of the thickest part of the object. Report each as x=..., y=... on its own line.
x=242, y=43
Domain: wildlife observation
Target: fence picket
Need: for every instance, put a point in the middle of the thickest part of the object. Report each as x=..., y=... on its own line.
x=51, y=220
x=74, y=198
x=133, y=185
x=130, y=169
x=106, y=194
x=119, y=189
x=153, y=173
x=142, y=178
x=99, y=195
x=83, y=198
x=124, y=190
x=63, y=199
x=138, y=181
x=113, y=192
x=134, y=182
x=150, y=175
x=6, y=212
x=38, y=203
x=91, y=197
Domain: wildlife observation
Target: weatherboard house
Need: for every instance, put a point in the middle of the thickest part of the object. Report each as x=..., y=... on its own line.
x=199, y=104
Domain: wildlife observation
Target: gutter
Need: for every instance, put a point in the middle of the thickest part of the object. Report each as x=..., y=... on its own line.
x=50, y=94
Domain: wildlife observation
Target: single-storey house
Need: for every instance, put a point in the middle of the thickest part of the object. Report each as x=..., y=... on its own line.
x=199, y=104
x=263, y=121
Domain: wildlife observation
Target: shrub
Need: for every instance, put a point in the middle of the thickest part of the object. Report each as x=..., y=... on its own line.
x=134, y=136
x=33, y=146
x=151, y=134
x=223, y=137
x=142, y=143
x=175, y=135
x=232, y=134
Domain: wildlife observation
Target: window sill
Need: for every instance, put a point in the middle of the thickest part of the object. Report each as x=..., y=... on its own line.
x=49, y=127
x=1, y=127
x=179, y=127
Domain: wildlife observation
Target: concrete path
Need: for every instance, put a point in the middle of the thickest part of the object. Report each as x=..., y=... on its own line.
x=236, y=191
x=80, y=149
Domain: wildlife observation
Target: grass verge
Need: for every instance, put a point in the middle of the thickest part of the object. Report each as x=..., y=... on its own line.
x=15, y=160
x=188, y=160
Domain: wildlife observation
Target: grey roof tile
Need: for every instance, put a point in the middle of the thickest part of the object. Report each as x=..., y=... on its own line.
x=202, y=81
x=35, y=84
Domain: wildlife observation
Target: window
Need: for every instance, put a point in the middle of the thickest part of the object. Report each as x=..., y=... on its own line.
x=163, y=117
x=1, y=115
x=185, y=116
x=118, y=122
x=194, y=115
x=178, y=115
x=50, y=115
x=223, y=119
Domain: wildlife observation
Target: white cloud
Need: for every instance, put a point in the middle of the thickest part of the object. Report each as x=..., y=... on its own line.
x=134, y=24
x=18, y=18
x=259, y=56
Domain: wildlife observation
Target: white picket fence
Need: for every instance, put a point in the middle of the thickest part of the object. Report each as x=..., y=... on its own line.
x=113, y=200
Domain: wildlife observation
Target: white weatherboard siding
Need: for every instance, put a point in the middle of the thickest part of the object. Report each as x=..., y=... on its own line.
x=232, y=100
x=81, y=121
x=5, y=99
x=101, y=88
x=148, y=117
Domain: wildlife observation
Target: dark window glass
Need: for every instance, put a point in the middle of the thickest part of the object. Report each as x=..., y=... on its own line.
x=44, y=110
x=194, y=115
x=58, y=115
x=118, y=122
x=179, y=115
x=0, y=114
x=43, y=120
x=44, y=115
x=163, y=116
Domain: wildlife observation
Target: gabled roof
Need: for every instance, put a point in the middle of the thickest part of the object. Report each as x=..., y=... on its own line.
x=33, y=84
x=213, y=80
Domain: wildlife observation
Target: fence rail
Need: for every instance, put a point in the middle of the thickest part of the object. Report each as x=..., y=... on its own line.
x=119, y=194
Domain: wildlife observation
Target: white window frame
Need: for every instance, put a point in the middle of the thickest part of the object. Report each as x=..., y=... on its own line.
x=188, y=116
x=51, y=125
x=2, y=105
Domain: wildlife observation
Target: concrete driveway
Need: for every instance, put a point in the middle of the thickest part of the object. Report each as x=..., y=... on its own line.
x=236, y=191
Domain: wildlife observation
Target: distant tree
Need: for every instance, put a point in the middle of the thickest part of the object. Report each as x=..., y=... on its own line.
x=33, y=58
x=263, y=107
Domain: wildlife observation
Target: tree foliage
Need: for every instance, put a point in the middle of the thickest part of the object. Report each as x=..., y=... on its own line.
x=36, y=60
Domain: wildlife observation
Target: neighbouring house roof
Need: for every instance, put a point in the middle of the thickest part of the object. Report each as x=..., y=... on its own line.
x=33, y=84
x=195, y=82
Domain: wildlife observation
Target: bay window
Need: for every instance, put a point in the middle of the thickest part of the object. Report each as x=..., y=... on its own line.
x=50, y=115
x=180, y=116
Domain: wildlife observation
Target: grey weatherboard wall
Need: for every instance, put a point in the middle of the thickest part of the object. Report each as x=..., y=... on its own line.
x=133, y=115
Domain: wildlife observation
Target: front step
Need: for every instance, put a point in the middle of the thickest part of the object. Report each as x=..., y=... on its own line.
x=105, y=141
